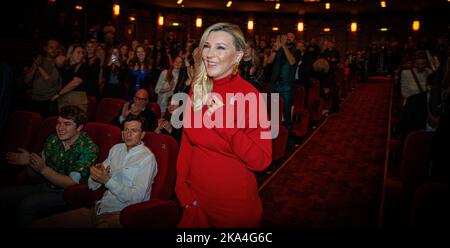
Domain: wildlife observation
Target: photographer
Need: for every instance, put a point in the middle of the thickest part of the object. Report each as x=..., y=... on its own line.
x=115, y=74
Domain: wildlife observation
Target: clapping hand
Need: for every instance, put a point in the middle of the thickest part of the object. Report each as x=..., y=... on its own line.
x=18, y=158
x=100, y=174
x=37, y=162
x=126, y=109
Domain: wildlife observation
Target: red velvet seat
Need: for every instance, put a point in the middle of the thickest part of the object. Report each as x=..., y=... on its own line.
x=19, y=131
x=92, y=108
x=279, y=144
x=47, y=127
x=159, y=211
x=105, y=136
x=300, y=115
x=416, y=159
x=155, y=108
x=314, y=103
x=108, y=109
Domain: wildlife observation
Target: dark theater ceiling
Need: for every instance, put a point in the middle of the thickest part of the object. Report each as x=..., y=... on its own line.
x=302, y=6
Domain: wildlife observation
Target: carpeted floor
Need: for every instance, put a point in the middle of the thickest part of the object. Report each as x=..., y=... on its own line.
x=336, y=179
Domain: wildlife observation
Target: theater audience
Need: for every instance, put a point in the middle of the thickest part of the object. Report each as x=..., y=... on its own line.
x=166, y=84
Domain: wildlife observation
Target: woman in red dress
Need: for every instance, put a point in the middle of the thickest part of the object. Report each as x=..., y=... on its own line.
x=216, y=185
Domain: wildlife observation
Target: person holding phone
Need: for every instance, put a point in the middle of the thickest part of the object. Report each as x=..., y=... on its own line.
x=115, y=74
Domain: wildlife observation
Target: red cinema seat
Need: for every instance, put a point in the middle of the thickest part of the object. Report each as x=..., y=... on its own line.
x=108, y=109
x=155, y=108
x=159, y=211
x=19, y=131
x=92, y=108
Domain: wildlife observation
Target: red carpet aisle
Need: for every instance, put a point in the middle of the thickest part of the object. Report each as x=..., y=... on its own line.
x=336, y=179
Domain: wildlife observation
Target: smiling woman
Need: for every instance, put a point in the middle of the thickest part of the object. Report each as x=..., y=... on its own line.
x=215, y=184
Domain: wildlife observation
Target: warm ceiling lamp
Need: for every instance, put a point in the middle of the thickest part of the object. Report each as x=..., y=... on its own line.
x=250, y=25
x=179, y=1
x=383, y=4
x=161, y=20
x=275, y=29
x=353, y=27
x=326, y=29
x=277, y=5
x=229, y=4
x=132, y=18
x=416, y=25
x=327, y=5
x=116, y=9
x=198, y=22
x=300, y=27
x=78, y=7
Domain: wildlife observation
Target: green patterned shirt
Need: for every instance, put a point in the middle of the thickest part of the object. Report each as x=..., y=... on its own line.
x=78, y=158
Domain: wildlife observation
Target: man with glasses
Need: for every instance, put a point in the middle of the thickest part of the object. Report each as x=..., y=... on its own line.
x=127, y=174
x=138, y=108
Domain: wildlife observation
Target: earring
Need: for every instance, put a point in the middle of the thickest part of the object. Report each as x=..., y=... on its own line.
x=235, y=69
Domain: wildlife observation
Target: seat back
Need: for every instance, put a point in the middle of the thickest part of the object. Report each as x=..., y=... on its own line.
x=92, y=108
x=105, y=136
x=279, y=144
x=298, y=98
x=416, y=159
x=165, y=149
x=20, y=129
x=108, y=109
x=155, y=108
x=47, y=127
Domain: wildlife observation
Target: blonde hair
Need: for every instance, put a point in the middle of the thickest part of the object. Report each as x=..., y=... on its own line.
x=202, y=84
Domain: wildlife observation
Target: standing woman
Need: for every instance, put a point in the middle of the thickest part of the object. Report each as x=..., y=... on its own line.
x=216, y=185
x=73, y=75
x=140, y=74
x=166, y=84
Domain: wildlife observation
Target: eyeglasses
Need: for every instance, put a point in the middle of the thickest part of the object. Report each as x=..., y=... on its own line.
x=140, y=99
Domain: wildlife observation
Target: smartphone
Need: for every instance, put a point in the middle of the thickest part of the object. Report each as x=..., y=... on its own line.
x=113, y=58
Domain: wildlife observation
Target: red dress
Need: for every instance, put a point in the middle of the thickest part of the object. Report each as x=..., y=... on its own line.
x=215, y=167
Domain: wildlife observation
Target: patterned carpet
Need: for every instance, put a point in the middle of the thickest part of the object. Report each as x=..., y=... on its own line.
x=336, y=179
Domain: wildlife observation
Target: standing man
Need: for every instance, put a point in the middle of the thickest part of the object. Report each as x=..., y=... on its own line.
x=282, y=58
x=64, y=161
x=43, y=78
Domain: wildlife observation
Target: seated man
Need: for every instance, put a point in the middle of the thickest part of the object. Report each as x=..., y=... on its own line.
x=64, y=162
x=128, y=174
x=139, y=107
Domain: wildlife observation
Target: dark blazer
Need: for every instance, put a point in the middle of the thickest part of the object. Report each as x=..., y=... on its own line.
x=414, y=114
x=150, y=120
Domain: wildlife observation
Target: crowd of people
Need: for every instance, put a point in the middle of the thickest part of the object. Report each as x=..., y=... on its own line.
x=221, y=62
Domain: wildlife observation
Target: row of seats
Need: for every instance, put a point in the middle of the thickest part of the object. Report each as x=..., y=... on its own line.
x=410, y=198
x=107, y=109
x=28, y=130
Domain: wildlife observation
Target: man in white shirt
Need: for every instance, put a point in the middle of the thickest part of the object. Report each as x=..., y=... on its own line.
x=127, y=173
x=413, y=81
